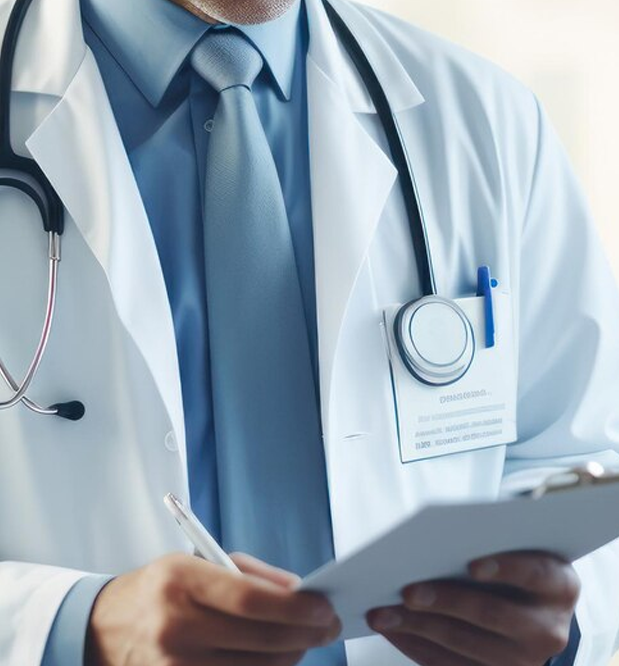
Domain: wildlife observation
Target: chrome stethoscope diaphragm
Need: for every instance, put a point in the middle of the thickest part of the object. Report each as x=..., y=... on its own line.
x=435, y=339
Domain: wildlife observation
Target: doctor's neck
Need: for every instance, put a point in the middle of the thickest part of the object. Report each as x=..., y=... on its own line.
x=241, y=12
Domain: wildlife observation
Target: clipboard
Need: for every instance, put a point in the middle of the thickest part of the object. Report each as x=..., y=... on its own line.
x=570, y=515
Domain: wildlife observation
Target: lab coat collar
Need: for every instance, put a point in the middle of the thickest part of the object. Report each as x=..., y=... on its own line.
x=331, y=58
x=51, y=46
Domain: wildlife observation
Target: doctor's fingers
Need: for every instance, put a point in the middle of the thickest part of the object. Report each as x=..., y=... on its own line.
x=540, y=574
x=462, y=641
x=494, y=610
x=203, y=630
x=254, y=598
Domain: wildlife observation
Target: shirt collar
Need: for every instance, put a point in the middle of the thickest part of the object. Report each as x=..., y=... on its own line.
x=151, y=40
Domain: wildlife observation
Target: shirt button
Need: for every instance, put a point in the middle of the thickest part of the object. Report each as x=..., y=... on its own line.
x=209, y=125
x=170, y=442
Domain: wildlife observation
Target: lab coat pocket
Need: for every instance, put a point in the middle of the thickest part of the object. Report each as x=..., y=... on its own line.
x=477, y=411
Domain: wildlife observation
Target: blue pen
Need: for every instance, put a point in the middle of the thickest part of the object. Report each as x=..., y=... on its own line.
x=485, y=283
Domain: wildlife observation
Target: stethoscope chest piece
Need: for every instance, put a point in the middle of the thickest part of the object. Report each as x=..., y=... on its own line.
x=435, y=339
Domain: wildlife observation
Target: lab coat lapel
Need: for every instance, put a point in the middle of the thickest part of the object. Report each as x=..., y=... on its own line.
x=352, y=177
x=80, y=150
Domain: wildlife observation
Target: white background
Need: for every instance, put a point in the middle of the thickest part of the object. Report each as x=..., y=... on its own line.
x=567, y=51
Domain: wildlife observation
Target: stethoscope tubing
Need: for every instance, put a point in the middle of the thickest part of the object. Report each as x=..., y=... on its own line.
x=52, y=290
x=50, y=208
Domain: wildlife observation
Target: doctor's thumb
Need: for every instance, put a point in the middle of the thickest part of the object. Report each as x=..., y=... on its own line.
x=254, y=567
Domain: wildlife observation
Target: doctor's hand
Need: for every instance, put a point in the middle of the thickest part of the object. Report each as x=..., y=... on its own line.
x=516, y=611
x=184, y=611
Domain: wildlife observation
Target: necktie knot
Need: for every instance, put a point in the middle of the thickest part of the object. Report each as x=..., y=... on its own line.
x=225, y=59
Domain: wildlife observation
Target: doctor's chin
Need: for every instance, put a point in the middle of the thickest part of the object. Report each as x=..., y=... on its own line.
x=309, y=333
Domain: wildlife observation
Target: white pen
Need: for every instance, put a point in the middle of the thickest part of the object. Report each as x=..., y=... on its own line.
x=206, y=546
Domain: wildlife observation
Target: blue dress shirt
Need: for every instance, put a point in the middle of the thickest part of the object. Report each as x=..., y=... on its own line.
x=162, y=109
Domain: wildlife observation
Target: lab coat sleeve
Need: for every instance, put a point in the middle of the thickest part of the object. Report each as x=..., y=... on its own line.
x=30, y=597
x=568, y=402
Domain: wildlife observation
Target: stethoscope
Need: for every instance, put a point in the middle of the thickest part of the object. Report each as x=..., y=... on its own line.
x=434, y=336
x=27, y=177
x=416, y=323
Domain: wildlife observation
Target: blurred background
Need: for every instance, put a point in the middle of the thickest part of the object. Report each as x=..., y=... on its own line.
x=567, y=51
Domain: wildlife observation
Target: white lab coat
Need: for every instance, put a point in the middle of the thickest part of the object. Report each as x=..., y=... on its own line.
x=496, y=189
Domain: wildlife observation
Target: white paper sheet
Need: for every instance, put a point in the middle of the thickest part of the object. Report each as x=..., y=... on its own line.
x=439, y=542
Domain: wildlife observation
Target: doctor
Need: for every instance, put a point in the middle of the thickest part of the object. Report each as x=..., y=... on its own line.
x=221, y=292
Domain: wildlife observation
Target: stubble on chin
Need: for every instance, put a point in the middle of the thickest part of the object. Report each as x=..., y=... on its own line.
x=195, y=7
x=241, y=12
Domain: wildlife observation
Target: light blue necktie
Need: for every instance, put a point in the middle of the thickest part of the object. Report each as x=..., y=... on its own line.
x=267, y=422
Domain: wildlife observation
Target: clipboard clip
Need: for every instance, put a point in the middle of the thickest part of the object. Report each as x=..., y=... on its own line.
x=591, y=474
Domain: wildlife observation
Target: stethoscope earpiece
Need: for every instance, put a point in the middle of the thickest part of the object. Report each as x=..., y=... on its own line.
x=435, y=339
